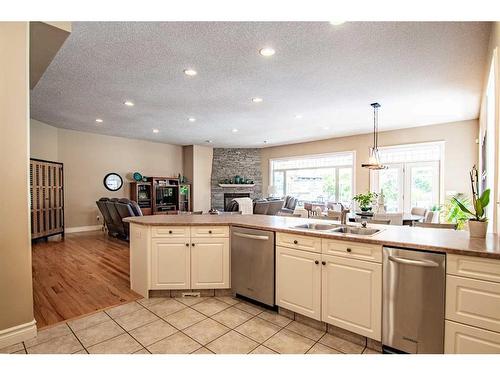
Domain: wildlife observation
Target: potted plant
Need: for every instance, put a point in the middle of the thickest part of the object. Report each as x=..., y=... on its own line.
x=365, y=200
x=478, y=222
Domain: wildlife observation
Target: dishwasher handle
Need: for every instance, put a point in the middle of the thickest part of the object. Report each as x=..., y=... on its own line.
x=251, y=236
x=412, y=262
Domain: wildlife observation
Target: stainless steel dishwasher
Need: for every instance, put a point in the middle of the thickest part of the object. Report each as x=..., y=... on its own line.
x=252, y=264
x=413, y=301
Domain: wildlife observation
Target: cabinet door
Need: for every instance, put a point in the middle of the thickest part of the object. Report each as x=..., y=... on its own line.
x=210, y=263
x=298, y=281
x=464, y=339
x=352, y=295
x=170, y=263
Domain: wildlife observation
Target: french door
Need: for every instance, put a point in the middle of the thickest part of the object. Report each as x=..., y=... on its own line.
x=407, y=185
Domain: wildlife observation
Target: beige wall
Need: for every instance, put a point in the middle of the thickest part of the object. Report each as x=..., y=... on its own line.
x=16, y=295
x=460, y=151
x=197, y=166
x=44, y=142
x=202, y=174
x=493, y=51
x=89, y=157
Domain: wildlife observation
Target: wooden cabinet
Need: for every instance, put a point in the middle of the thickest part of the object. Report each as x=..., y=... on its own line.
x=473, y=267
x=210, y=263
x=295, y=241
x=298, y=281
x=170, y=232
x=171, y=263
x=206, y=231
x=464, y=339
x=47, y=198
x=352, y=295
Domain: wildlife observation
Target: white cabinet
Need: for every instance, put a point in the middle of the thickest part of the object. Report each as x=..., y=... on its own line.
x=464, y=339
x=190, y=258
x=352, y=295
x=210, y=263
x=298, y=281
x=171, y=263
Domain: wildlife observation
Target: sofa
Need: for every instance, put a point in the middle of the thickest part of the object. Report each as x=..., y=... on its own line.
x=270, y=206
x=114, y=210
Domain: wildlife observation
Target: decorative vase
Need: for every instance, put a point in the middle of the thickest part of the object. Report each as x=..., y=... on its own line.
x=477, y=229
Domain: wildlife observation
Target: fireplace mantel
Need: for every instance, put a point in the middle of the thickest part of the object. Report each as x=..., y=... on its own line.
x=227, y=186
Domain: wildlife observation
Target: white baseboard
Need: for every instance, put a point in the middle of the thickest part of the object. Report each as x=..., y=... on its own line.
x=16, y=334
x=87, y=228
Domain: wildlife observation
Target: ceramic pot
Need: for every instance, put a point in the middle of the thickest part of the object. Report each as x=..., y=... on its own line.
x=365, y=209
x=477, y=229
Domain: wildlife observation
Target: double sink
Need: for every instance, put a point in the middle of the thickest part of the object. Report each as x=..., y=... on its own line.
x=337, y=228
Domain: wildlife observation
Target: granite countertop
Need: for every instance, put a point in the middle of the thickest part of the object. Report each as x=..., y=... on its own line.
x=440, y=240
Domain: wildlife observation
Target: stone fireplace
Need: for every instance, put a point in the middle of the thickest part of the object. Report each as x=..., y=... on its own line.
x=230, y=162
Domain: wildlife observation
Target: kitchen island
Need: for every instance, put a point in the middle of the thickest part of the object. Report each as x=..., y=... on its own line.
x=331, y=277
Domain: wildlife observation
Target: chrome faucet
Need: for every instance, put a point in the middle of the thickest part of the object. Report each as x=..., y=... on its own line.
x=343, y=214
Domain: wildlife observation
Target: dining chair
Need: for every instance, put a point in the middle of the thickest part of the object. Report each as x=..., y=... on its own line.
x=419, y=211
x=394, y=218
x=435, y=225
x=373, y=221
x=429, y=217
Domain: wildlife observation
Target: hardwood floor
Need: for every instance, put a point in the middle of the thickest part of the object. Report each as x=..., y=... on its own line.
x=78, y=275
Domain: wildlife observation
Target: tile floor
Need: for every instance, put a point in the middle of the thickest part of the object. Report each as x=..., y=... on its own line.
x=204, y=325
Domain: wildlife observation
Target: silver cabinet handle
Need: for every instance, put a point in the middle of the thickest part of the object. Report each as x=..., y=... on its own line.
x=251, y=236
x=411, y=262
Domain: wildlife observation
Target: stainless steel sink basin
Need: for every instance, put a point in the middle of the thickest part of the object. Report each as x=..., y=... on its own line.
x=321, y=227
x=357, y=230
x=338, y=229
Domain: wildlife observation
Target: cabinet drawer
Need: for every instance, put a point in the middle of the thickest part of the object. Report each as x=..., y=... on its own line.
x=351, y=249
x=473, y=302
x=172, y=232
x=463, y=339
x=299, y=242
x=473, y=267
x=208, y=231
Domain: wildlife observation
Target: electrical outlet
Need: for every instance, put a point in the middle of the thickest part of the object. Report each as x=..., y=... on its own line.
x=98, y=218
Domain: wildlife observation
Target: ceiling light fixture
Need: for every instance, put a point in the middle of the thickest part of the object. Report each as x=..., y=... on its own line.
x=128, y=103
x=191, y=119
x=99, y=120
x=208, y=141
x=257, y=100
x=298, y=116
x=267, y=51
x=374, y=158
x=235, y=130
x=326, y=128
x=156, y=131
x=190, y=72
x=337, y=23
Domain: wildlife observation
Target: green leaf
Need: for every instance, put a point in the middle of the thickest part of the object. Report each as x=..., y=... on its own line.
x=485, y=198
x=462, y=207
x=478, y=206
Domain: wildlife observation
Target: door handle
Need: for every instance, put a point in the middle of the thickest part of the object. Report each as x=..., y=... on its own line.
x=251, y=236
x=412, y=262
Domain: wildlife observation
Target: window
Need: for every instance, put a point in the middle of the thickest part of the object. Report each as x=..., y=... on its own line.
x=413, y=177
x=318, y=178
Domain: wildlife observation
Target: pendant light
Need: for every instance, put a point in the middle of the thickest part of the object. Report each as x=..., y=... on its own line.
x=374, y=158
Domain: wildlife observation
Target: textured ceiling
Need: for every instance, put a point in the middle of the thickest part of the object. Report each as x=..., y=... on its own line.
x=422, y=73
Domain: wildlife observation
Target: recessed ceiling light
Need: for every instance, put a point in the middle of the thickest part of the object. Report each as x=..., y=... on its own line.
x=190, y=72
x=326, y=128
x=257, y=100
x=265, y=142
x=191, y=119
x=156, y=131
x=235, y=130
x=337, y=23
x=99, y=120
x=208, y=141
x=128, y=103
x=298, y=116
x=267, y=51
